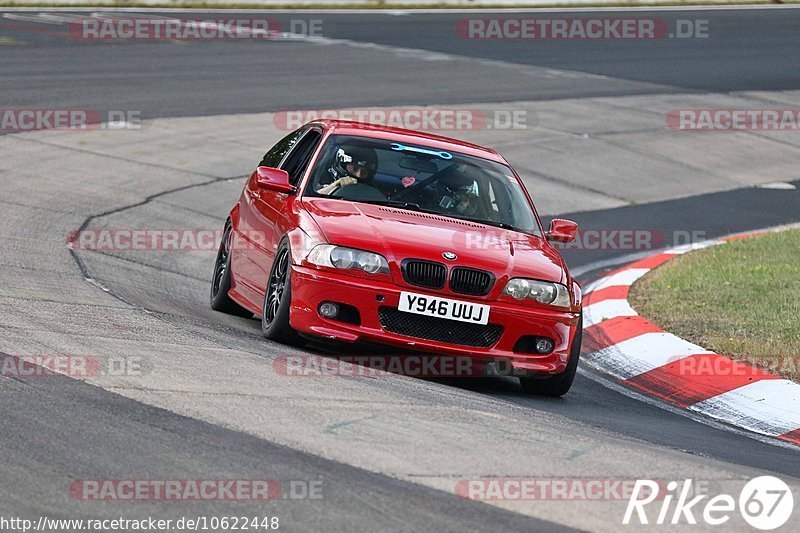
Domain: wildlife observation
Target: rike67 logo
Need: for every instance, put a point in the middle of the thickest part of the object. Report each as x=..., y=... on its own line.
x=765, y=503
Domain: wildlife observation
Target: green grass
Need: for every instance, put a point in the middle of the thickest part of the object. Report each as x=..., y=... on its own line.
x=740, y=299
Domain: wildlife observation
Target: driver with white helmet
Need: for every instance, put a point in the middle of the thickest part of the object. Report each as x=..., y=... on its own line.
x=351, y=165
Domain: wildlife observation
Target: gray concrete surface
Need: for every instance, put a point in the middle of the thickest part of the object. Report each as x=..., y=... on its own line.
x=210, y=402
x=215, y=368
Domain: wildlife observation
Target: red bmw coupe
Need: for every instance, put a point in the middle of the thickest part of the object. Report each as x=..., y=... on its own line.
x=359, y=233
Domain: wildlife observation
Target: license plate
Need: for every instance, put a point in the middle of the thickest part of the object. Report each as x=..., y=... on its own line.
x=421, y=304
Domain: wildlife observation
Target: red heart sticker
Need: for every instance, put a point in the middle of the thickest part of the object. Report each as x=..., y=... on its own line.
x=408, y=181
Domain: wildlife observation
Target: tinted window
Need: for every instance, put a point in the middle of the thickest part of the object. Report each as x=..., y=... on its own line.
x=276, y=153
x=298, y=160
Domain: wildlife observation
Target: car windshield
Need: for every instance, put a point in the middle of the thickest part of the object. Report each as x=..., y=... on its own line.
x=421, y=178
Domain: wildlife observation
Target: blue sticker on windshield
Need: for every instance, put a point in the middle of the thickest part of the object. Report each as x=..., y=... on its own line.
x=402, y=147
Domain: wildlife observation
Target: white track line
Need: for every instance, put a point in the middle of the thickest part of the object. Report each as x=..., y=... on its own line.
x=641, y=354
x=596, y=313
x=597, y=375
x=768, y=406
x=623, y=278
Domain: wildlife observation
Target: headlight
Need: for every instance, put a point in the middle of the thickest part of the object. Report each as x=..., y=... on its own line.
x=329, y=255
x=544, y=292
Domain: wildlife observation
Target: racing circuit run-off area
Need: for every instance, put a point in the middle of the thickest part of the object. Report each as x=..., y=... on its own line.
x=378, y=266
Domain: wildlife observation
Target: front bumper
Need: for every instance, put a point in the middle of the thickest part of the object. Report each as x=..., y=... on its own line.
x=310, y=287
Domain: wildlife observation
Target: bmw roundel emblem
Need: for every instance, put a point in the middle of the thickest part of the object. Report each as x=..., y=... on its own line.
x=450, y=256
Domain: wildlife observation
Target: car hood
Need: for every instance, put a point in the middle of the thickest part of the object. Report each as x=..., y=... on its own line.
x=399, y=234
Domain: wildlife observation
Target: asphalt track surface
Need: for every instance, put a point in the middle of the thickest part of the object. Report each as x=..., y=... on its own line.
x=88, y=428
x=746, y=50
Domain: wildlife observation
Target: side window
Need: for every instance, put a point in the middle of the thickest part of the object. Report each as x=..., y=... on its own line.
x=277, y=152
x=298, y=159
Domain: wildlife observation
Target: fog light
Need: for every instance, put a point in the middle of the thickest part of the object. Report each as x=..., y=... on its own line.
x=328, y=309
x=544, y=346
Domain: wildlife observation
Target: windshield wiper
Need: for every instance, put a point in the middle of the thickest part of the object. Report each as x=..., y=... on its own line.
x=503, y=225
x=395, y=203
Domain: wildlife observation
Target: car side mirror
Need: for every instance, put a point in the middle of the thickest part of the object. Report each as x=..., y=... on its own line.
x=562, y=230
x=274, y=179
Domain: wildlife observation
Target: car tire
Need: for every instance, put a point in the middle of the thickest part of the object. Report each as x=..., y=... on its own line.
x=559, y=384
x=221, y=279
x=278, y=299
